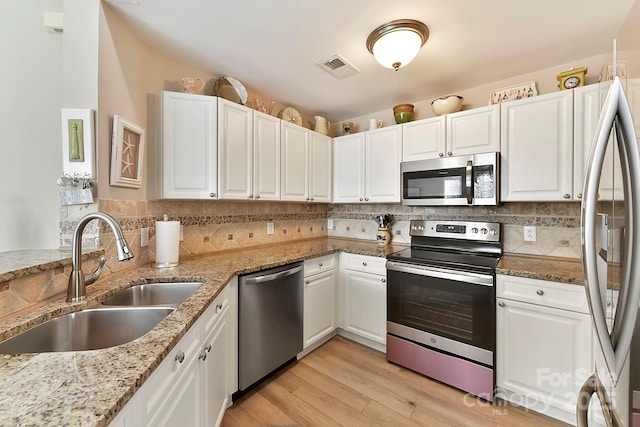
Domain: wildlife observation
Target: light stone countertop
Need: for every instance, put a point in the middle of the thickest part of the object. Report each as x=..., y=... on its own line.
x=88, y=388
x=555, y=269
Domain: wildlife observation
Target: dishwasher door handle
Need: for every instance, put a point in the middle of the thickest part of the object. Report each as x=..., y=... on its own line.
x=272, y=277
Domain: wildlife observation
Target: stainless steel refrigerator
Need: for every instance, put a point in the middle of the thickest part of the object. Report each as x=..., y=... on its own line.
x=611, y=250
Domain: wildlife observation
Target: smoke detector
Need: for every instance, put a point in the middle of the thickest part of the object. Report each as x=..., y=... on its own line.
x=338, y=67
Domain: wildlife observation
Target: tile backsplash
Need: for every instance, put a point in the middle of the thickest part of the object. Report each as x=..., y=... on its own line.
x=210, y=226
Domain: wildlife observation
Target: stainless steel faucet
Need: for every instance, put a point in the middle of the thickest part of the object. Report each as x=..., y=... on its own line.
x=78, y=281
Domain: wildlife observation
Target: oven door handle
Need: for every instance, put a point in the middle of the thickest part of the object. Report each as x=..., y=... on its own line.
x=457, y=276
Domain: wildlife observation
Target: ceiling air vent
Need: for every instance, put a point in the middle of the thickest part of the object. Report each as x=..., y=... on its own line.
x=338, y=67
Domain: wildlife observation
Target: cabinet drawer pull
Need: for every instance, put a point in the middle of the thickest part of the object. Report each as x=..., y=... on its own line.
x=203, y=356
x=179, y=357
x=501, y=304
x=540, y=292
x=218, y=307
x=364, y=264
x=208, y=348
x=320, y=265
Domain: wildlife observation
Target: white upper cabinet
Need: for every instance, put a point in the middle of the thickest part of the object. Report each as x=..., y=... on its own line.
x=537, y=148
x=266, y=157
x=473, y=131
x=588, y=102
x=466, y=132
x=320, y=168
x=235, y=143
x=423, y=139
x=188, y=150
x=367, y=166
x=295, y=152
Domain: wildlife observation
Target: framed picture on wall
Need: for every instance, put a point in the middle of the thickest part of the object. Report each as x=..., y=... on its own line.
x=78, y=143
x=127, y=153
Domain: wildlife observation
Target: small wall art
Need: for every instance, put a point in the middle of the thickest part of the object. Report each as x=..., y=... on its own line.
x=127, y=151
x=511, y=93
x=78, y=143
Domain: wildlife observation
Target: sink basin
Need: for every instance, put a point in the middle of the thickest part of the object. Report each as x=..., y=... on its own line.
x=90, y=329
x=154, y=294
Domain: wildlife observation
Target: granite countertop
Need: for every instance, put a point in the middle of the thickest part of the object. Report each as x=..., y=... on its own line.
x=566, y=270
x=88, y=388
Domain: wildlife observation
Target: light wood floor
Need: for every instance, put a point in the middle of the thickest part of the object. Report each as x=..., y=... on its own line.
x=343, y=383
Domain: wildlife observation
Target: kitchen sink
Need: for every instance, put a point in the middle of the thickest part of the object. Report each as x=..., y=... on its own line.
x=154, y=294
x=90, y=329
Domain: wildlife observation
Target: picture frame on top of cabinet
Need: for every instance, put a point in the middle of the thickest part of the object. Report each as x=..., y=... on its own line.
x=127, y=153
x=511, y=93
x=78, y=143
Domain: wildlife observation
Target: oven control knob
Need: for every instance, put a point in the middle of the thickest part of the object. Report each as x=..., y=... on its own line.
x=493, y=231
x=474, y=230
x=484, y=231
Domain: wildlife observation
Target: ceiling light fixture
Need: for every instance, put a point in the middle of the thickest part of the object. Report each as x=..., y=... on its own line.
x=396, y=43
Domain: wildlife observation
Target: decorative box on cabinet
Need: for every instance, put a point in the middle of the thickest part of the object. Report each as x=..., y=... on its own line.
x=367, y=166
x=187, y=156
x=544, y=341
x=536, y=144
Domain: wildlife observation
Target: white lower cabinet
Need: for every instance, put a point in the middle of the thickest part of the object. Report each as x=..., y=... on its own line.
x=319, y=299
x=544, y=344
x=193, y=384
x=364, y=286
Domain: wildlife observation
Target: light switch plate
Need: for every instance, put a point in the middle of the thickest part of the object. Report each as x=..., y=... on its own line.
x=269, y=228
x=329, y=224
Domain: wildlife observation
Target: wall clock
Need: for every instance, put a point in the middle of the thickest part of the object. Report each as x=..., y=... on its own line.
x=291, y=115
x=571, y=78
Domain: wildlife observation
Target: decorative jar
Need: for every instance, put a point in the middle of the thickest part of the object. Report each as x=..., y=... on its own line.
x=383, y=237
x=403, y=113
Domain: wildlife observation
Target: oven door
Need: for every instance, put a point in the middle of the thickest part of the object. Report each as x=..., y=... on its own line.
x=451, y=311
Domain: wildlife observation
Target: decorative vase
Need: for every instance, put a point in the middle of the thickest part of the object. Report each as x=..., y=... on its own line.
x=403, y=113
x=383, y=237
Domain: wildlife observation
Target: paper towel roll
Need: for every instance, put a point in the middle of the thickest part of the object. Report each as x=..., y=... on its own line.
x=167, y=243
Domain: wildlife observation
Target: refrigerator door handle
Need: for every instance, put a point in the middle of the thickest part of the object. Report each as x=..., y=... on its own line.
x=592, y=386
x=615, y=348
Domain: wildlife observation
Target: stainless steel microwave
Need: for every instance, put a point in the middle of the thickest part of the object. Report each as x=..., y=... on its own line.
x=452, y=181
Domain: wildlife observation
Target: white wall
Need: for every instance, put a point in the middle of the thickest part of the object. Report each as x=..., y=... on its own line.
x=30, y=151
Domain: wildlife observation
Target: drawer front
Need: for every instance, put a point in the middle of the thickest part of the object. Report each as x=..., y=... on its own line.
x=369, y=264
x=317, y=265
x=167, y=374
x=542, y=292
x=215, y=310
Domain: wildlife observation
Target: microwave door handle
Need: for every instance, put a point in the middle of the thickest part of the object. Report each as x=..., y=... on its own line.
x=469, y=182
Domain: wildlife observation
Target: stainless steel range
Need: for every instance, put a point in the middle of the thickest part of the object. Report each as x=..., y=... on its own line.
x=441, y=303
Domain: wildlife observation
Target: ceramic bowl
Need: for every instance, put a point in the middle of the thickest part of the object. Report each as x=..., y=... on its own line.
x=403, y=113
x=447, y=105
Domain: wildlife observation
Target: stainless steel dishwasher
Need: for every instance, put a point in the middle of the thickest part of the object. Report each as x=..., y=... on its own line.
x=269, y=321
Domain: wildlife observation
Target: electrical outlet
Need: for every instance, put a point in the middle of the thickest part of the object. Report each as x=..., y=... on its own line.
x=181, y=232
x=269, y=228
x=144, y=237
x=529, y=233
x=329, y=224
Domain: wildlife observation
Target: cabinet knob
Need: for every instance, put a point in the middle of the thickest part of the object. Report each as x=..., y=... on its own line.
x=258, y=196
x=306, y=282
x=441, y=154
x=250, y=196
x=383, y=280
x=179, y=357
x=567, y=196
x=361, y=199
x=218, y=308
x=500, y=304
x=540, y=292
x=449, y=153
x=312, y=199
x=579, y=196
x=364, y=264
x=366, y=199
x=212, y=194
x=203, y=356
x=208, y=348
